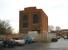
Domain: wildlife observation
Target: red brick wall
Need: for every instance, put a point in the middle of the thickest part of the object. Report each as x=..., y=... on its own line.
x=43, y=19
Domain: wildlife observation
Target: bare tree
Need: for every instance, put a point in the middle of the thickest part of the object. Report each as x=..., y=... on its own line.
x=50, y=28
x=57, y=28
x=5, y=28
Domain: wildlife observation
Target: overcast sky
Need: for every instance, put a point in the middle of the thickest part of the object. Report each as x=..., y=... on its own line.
x=57, y=11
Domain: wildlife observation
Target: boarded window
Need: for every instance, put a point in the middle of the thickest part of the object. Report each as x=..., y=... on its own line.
x=25, y=21
x=35, y=18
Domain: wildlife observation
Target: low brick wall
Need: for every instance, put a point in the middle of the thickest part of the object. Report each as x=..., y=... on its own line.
x=41, y=38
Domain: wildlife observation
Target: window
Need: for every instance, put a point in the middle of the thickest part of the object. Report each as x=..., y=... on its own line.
x=25, y=24
x=35, y=18
x=25, y=21
x=25, y=18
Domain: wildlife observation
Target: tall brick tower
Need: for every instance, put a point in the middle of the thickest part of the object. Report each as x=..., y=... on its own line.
x=32, y=19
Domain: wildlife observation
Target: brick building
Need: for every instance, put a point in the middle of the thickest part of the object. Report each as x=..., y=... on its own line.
x=33, y=19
